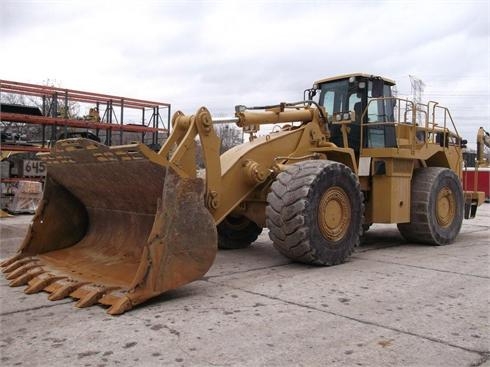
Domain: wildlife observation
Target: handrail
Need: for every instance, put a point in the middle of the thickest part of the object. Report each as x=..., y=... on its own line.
x=365, y=112
x=428, y=123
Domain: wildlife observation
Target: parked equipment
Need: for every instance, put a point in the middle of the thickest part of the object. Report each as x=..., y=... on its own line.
x=26, y=198
x=119, y=225
x=477, y=176
x=22, y=175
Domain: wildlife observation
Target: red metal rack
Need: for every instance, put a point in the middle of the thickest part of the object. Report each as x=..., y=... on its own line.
x=153, y=115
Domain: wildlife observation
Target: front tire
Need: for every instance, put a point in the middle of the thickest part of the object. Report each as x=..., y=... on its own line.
x=315, y=212
x=437, y=207
x=236, y=232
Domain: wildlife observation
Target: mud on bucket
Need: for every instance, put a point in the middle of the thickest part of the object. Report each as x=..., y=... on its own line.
x=115, y=226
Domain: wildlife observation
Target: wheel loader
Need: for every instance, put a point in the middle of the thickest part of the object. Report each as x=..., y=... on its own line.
x=120, y=225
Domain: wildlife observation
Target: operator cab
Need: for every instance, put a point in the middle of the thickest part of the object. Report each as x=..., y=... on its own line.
x=360, y=97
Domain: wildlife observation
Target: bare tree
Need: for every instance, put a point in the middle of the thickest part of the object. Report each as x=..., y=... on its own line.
x=230, y=136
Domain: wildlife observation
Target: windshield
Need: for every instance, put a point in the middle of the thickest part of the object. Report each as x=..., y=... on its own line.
x=339, y=96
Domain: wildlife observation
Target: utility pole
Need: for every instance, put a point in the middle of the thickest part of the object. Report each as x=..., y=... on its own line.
x=417, y=89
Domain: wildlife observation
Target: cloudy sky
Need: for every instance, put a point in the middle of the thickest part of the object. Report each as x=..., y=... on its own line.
x=223, y=53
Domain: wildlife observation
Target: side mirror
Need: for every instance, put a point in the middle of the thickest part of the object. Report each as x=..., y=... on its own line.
x=311, y=93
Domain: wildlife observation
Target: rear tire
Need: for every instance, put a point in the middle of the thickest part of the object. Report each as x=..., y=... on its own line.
x=315, y=212
x=236, y=232
x=437, y=207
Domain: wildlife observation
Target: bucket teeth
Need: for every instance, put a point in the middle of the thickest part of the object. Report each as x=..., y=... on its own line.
x=118, y=301
x=26, y=276
x=22, y=270
x=90, y=295
x=121, y=306
x=10, y=266
x=62, y=288
x=40, y=282
x=9, y=261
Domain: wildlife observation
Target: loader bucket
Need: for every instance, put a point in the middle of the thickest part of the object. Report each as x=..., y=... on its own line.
x=115, y=226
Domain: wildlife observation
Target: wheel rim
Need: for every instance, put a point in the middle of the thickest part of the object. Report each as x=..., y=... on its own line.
x=446, y=207
x=334, y=214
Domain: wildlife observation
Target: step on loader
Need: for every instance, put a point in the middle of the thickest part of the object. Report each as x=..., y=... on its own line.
x=120, y=225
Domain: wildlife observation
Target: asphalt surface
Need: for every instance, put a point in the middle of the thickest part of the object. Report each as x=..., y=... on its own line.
x=392, y=304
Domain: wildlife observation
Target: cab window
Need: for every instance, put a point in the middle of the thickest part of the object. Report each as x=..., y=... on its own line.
x=380, y=110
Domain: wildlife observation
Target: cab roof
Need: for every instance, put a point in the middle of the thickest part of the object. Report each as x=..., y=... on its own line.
x=346, y=76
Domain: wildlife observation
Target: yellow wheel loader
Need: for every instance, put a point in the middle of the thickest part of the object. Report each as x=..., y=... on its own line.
x=119, y=225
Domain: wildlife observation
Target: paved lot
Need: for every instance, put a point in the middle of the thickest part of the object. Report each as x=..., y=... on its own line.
x=392, y=304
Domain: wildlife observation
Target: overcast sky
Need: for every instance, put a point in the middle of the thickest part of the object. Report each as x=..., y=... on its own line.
x=223, y=53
